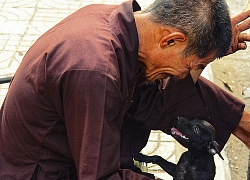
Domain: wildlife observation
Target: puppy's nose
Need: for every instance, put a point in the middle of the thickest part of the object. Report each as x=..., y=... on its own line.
x=178, y=120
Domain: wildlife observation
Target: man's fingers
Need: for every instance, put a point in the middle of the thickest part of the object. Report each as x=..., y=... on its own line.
x=244, y=25
x=240, y=17
x=244, y=37
x=242, y=46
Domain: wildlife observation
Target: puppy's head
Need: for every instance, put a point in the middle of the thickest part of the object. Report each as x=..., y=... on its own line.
x=195, y=134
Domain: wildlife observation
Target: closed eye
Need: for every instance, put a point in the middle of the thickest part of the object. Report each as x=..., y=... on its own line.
x=201, y=66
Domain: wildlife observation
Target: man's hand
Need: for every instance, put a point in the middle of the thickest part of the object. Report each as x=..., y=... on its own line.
x=239, y=23
x=242, y=131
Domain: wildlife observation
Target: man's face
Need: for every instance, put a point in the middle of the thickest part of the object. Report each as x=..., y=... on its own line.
x=163, y=64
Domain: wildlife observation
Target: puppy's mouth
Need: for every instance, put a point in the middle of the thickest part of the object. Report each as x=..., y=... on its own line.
x=176, y=133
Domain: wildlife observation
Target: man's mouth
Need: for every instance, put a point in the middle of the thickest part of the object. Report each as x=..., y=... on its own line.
x=176, y=132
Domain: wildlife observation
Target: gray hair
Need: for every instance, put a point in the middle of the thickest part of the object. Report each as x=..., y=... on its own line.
x=206, y=23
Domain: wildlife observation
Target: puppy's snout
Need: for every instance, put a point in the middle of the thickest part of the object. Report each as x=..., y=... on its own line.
x=178, y=120
x=181, y=121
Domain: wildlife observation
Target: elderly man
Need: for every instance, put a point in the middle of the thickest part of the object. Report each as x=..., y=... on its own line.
x=90, y=89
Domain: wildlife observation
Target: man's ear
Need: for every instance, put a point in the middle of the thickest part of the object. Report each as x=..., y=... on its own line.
x=171, y=39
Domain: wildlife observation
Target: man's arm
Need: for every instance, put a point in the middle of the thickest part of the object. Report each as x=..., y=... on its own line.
x=242, y=131
x=92, y=106
x=239, y=23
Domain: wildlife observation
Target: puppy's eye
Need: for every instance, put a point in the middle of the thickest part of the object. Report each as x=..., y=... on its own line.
x=196, y=129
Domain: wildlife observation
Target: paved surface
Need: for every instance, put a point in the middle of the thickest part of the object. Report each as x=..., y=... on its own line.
x=23, y=21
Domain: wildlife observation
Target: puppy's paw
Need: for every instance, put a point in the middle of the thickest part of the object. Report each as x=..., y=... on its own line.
x=144, y=158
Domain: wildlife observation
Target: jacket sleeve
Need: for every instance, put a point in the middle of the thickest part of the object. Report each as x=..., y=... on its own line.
x=204, y=100
x=92, y=103
x=224, y=110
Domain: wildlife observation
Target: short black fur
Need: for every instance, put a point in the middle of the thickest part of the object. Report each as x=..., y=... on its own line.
x=198, y=162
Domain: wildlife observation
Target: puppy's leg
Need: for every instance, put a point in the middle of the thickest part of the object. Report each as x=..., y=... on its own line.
x=167, y=166
x=144, y=158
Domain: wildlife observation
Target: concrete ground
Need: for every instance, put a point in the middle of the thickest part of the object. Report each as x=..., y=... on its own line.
x=23, y=21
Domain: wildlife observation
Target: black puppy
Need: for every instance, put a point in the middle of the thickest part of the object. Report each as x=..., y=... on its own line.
x=195, y=164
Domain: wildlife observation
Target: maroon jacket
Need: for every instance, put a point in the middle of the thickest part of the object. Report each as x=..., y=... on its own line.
x=62, y=117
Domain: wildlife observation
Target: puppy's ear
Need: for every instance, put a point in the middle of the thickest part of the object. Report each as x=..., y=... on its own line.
x=213, y=148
